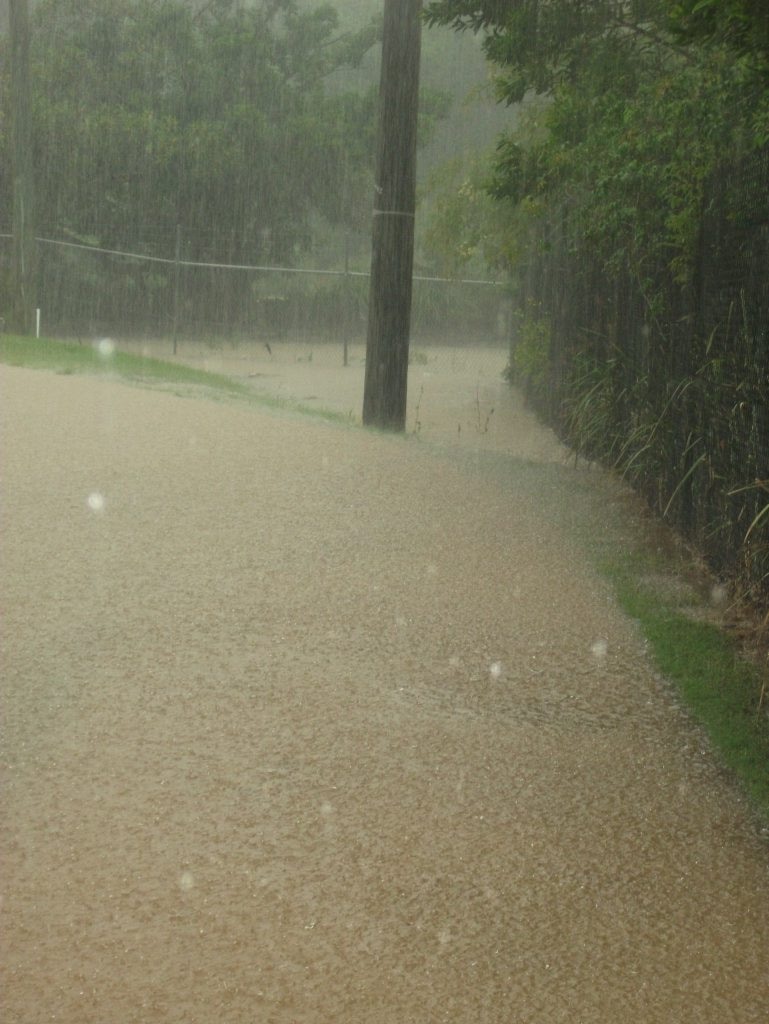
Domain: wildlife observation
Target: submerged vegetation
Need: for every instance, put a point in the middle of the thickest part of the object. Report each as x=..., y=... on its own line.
x=104, y=359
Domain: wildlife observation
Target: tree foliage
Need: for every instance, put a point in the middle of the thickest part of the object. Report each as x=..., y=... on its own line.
x=639, y=180
x=741, y=25
x=153, y=113
x=634, y=115
x=543, y=43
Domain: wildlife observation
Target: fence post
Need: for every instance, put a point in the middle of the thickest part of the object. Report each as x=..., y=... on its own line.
x=177, y=257
x=346, y=301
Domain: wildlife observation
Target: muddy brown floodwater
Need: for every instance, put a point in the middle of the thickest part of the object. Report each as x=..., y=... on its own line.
x=307, y=725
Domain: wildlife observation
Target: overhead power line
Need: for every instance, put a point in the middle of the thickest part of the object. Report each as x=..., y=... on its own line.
x=260, y=268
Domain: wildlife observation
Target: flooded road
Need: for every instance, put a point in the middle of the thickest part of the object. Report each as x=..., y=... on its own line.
x=303, y=724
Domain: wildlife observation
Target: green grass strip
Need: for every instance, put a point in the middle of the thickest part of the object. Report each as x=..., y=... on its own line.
x=718, y=685
x=66, y=358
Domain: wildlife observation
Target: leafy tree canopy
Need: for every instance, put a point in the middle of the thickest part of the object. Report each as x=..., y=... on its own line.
x=541, y=43
x=742, y=25
x=217, y=116
x=634, y=116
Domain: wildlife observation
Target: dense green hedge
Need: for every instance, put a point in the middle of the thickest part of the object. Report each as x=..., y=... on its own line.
x=674, y=394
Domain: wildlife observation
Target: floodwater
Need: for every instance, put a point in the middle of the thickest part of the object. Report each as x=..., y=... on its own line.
x=305, y=724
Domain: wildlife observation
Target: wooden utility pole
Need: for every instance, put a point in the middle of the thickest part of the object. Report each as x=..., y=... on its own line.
x=392, y=253
x=24, y=262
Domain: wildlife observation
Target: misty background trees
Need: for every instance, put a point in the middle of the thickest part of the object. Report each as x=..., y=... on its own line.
x=248, y=128
x=213, y=116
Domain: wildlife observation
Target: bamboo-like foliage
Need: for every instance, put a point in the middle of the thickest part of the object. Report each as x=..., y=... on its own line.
x=675, y=398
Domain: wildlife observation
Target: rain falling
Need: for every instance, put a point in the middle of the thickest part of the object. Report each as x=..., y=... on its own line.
x=304, y=722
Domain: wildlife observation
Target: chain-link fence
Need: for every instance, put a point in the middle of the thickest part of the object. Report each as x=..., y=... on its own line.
x=668, y=382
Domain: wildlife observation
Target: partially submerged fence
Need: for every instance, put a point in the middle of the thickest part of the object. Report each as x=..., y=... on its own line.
x=674, y=393
x=87, y=290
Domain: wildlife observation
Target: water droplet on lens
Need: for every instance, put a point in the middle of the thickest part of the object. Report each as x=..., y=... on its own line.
x=718, y=593
x=599, y=649
x=95, y=501
x=105, y=347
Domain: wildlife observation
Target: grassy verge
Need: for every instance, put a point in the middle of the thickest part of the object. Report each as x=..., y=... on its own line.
x=716, y=681
x=62, y=357
x=660, y=585
x=104, y=359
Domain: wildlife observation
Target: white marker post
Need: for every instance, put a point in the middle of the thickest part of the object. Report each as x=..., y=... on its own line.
x=37, y=322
